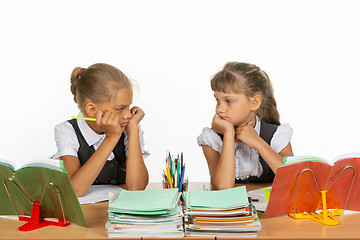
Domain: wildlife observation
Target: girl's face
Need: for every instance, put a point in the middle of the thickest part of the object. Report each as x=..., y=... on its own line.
x=235, y=108
x=119, y=104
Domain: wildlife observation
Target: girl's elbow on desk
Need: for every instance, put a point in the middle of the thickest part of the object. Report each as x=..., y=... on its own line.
x=137, y=185
x=80, y=192
x=221, y=185
x=78, y=189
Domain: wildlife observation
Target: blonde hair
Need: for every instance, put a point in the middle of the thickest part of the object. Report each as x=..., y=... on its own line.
x=97, y=83
x=249, y=79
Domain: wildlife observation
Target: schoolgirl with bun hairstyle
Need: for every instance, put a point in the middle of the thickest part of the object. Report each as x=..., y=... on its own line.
x=109, y=150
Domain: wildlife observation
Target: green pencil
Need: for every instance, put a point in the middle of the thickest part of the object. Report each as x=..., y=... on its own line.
x=171, y=169
x=84, y=118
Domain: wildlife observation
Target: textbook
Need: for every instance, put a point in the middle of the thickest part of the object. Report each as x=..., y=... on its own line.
x=41, y=181
x=298, y=182
x=146, y=213
x=221, y=213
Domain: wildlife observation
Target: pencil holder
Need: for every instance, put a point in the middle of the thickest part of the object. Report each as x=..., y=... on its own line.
x=174, y=174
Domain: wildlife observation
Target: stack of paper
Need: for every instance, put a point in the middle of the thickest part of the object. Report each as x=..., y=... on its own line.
x=260, y=198
x=224, y=213
x=148, y=213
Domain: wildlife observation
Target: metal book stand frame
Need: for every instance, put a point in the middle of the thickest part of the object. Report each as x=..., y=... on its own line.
x=35, y=222
x=323, y=216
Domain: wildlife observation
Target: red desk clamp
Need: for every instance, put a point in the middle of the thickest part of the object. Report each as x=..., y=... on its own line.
x=34, y=222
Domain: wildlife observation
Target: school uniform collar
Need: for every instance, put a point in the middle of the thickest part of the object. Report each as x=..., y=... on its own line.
x=257, y=125
x=90, y=136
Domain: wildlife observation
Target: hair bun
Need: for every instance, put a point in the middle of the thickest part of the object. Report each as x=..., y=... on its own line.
x=75, y=77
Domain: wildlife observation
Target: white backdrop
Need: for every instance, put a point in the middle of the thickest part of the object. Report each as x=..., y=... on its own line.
x=310, y=50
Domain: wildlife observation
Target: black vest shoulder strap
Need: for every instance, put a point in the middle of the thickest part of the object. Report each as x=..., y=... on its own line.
x=114, y=171
x=85, y=151
x=267, y=131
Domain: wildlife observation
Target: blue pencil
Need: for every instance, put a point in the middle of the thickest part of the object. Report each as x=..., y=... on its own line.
x=178, y=174
x=182, y=178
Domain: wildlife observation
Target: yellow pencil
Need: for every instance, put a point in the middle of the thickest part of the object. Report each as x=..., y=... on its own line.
x=168, y=175
x=84, y=118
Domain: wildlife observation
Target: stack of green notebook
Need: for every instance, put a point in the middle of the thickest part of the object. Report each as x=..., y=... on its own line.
x=148, y=213
x=224, y=213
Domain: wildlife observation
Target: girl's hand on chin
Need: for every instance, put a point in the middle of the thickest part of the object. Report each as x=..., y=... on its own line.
x=109, y=123
x=247, y=134
x=137, y=115
x=221, y=126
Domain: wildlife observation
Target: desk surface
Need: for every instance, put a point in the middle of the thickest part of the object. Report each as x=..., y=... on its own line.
x=272, y=228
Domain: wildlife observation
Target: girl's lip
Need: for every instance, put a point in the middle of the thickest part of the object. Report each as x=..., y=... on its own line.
x=124, y=124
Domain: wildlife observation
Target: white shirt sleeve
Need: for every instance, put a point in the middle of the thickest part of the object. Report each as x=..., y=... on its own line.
x=66, y=140
x=144, y=152
x=281, y=138
x=210, y=138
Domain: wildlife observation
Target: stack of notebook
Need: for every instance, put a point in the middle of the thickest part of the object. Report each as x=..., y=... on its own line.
x=224, y=213
x=148, y=213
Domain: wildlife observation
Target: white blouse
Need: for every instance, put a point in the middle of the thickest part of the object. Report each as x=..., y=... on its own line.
x=68, y=144
x=247, y=161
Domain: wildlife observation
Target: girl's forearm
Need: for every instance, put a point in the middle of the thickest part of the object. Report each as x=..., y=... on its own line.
x=137, y=176
x=273, y=159
x=86, y=175
x=223, y=176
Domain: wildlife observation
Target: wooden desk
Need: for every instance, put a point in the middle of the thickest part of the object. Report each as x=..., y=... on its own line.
x=272, y=228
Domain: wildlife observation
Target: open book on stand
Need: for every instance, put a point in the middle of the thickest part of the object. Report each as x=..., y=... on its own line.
x=301, y=182
x=40, y=189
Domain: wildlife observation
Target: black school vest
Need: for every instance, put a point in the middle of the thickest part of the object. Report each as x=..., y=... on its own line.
x=114, y=171
x=267, y=131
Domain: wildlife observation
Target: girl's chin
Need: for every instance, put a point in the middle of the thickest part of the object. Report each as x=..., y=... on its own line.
x=240, y=124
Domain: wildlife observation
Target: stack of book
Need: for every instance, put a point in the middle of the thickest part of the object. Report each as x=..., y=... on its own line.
x=148, y=213
x=223, y=213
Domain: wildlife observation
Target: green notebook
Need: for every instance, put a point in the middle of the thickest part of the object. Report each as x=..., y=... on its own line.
x=220, y=199
x=31, y=178
x=156, y=201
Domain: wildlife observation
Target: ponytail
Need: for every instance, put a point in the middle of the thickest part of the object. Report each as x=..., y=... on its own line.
x=75, y=77
x=268, y=110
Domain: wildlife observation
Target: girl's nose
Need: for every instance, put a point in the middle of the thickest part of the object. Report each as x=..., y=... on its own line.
x=127, y=114
x=220, y=108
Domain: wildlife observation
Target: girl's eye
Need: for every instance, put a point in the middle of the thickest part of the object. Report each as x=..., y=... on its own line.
x=120, y=109
x=217, y=101
x=229, y=101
